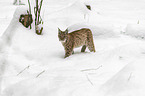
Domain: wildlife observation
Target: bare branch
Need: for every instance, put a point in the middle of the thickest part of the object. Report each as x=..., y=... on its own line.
x=129, y=77
x=92, y=69
x=40, y=10
x=23, y=70
x=40, y=73
x=89, y=80
x=38, y=19
x=29, y=7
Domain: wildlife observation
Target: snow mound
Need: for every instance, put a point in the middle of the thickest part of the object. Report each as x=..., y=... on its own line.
x=127, y=82
x=50, y=83
x=33, y=65
x=64, y=16
x=100, y=30
x=136, y=30
x=14, y=24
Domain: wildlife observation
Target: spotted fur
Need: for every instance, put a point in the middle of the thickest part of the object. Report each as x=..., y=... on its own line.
x=82, y=37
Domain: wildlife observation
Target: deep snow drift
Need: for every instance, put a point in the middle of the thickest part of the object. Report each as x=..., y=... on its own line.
x=33, y=65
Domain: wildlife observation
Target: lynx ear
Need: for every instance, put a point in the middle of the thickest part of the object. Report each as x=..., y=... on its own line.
x=66, y=31
x=59, y=31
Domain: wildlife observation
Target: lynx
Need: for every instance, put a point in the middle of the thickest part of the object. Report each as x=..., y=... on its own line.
x=82, y=37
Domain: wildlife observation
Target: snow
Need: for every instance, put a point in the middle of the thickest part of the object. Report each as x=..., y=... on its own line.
x=34, y=65
x=136, y=30
x=128, y=81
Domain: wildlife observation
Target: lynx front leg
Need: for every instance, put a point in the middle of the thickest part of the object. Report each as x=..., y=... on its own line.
x=68, y=51
x=83, y=48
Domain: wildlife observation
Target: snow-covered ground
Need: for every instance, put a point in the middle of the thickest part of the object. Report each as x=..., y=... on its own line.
x=33, y=65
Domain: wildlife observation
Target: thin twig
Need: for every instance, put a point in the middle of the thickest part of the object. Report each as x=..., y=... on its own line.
x=92, y=69
x=129, y=76
x=29, y=12
x=23, y=70
x=29, y=7
x=89, y=80
x=37, y=10
x=40, y=6
x=40, y=73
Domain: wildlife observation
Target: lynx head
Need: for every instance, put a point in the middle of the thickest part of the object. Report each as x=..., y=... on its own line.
x=62, y=35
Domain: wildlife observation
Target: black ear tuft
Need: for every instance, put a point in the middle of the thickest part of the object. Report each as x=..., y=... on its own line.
x=59, y=31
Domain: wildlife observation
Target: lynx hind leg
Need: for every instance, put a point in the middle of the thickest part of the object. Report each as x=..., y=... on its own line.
x=91, y=47
x=90, y=42
x=73, y=52
x=83, y=48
